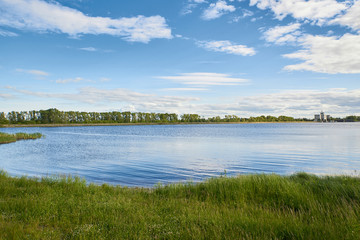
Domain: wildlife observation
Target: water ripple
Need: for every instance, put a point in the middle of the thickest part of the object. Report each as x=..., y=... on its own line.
x=147, y=155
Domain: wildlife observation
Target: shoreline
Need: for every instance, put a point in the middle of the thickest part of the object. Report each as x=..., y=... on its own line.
x=68, y=177
x=133, y=124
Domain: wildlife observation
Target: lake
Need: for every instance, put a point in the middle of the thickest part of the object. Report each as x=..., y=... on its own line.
x=150, y=154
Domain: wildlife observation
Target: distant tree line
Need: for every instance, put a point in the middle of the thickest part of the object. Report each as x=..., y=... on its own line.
x=54, y=116
x=347, y=119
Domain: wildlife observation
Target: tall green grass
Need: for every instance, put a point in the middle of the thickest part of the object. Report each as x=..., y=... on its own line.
x=300, y=206
x=9, y=138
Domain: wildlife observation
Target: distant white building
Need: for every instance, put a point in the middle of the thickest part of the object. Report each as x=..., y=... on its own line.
x=322, y=117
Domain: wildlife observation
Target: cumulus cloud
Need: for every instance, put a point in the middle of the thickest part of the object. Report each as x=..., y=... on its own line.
x=327, y=54
x=42, y=16
x=204, y=78
x=216, y=10
x=351, y=18
x=283, y=34
x=320, y=53
x=227, y=47
x=317, y=11
x=34, y=72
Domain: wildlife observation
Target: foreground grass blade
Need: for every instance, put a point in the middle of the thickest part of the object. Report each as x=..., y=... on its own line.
x=300, y=206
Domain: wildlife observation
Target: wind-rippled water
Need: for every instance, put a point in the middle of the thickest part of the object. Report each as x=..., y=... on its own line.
x=147, y=155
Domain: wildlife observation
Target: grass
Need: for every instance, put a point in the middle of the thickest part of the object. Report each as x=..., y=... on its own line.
x=300, y=206
x=9, y=138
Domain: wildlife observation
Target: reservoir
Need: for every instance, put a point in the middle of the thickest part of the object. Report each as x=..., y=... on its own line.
x=147, y=155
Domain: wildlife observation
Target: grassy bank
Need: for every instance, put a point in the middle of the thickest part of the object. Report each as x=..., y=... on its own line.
x=246, y=207
x=9, y=138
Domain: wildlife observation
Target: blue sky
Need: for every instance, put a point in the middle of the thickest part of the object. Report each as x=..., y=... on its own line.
x=214, y=57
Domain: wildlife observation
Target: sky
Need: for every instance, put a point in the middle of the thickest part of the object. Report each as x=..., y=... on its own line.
x=210, y=57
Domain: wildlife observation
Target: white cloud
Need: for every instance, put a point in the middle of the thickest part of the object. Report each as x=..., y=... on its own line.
x=328, y=54
x=188, y=9
x=89, y=49
x=302, y=101
x=80, y=79
x=42, y=16
x=116, y=97
x=226, y=47
x=204, y=78
x=6, y=96
x=184, y=89
x=351, y=18
x=297, y=103
x=191, y=5
x=283, y=34
x=317, y=11
x=216, y=10
x=245, y=13
x=5, y=33
x=34, y=72
x=104, y=79
x=322, y=53
x=72, y=80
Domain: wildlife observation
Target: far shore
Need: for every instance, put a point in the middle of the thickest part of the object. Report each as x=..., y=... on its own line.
x=133, y=124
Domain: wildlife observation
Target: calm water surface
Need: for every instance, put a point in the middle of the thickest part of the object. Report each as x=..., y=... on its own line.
x=147, y=155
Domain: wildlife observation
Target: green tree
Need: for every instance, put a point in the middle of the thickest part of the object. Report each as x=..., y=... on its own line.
x=133, y=117
x=285, y=119
x=3, y=119
x=352, y=119
x=12, y=117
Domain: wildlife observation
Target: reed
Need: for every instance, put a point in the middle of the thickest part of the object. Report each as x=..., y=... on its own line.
x=9, y=138
x=300, y=206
